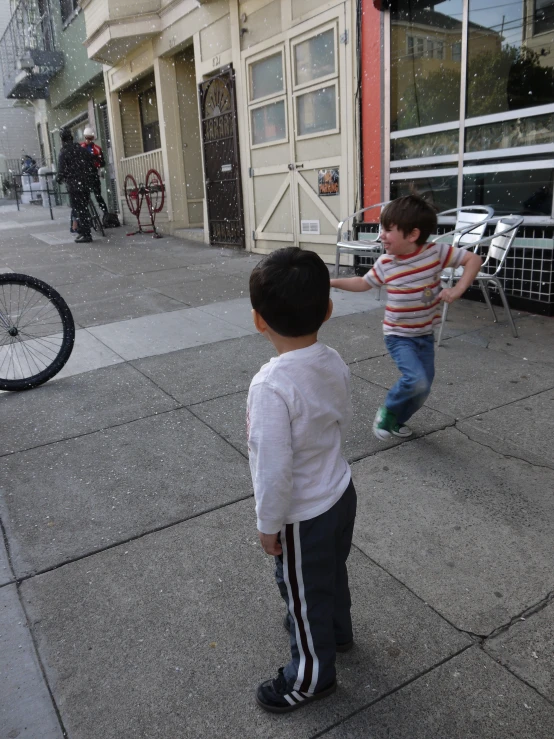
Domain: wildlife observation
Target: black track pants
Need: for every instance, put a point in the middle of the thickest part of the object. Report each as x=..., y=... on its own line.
x=313, y=580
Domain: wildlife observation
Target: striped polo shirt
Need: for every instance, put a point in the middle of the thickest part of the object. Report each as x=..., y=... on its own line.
x=413, y=285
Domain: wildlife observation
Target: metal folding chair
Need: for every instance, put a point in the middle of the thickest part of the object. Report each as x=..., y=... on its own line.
x=471, y=223
x=371, y=247
x=500, y=243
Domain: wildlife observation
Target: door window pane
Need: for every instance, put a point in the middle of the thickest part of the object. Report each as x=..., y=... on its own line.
x=315, y=57
x=266, y=77
x=316, y=111
x=425, y=63
x=507, y=67
x=268, y=123
x=526, y=193
x=439, y=191
x=510, y=134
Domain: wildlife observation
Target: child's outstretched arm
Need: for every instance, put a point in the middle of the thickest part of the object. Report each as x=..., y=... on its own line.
x=472, y=264
x=353, y=284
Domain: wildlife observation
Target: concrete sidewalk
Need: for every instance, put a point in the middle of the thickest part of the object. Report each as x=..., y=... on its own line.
x=135, y=600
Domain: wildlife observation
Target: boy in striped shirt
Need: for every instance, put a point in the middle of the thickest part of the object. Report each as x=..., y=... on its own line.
x=410, y=271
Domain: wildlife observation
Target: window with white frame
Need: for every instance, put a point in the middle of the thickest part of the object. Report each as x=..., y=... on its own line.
x=315, y=83
x=266, y=95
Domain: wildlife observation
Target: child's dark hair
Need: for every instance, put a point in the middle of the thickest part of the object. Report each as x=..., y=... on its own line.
x=290, y=290
x=409, y=212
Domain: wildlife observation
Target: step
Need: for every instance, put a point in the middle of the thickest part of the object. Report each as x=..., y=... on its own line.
x=191, y=234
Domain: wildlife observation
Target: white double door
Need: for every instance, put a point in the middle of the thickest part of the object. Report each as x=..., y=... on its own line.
x=300, y=113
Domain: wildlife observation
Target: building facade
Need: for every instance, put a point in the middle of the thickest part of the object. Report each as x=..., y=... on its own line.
x=45, y=63
x=467, y=118
x=468, y=103
x=18, y=134
x=247, y=109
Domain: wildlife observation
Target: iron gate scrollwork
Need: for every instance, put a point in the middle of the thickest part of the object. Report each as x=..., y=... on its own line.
x=221, y=159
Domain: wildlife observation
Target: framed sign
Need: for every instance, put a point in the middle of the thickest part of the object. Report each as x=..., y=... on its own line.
x=328, y=182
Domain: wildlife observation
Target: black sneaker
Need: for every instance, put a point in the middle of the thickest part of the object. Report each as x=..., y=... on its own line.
x=276, y=697
x=83, y=239
x=344, y=647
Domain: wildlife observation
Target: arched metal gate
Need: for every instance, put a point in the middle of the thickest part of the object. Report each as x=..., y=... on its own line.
x=221, y=159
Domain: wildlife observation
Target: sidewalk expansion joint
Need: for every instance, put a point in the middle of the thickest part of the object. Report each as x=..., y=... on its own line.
x=41, y=664
x=131, y=539
x=388, y=693
x=93, y=431
x=475, y=638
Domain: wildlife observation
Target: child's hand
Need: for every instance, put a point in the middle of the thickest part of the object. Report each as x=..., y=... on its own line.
x=450, y=294
x=270, y=544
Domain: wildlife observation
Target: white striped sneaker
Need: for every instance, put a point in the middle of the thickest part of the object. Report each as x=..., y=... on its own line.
x=275, y=695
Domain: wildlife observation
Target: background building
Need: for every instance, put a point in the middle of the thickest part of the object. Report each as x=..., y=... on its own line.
x=247, y=109
x=44, y=62
x=17, y=118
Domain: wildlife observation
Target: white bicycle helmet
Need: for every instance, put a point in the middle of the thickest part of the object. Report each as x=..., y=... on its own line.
x=88, y=132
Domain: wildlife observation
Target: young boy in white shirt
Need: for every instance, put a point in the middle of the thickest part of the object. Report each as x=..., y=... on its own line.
x=298, y=412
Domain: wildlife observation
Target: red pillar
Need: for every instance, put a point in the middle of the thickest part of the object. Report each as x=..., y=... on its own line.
x=371, y=113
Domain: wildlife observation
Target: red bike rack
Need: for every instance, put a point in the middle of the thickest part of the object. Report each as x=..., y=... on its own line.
x=153, y=191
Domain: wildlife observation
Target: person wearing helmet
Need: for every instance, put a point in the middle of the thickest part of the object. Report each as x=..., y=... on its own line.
x=76, y=168
x=98, y=158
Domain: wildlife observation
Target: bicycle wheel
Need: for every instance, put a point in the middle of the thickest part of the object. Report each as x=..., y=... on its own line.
x=155, y=191
x=95, y=218
x=132, y=195
x=37, y=332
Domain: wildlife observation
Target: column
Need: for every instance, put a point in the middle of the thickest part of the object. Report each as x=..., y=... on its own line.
x=172, y=147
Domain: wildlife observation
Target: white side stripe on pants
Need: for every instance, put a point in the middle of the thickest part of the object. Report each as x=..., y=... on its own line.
x=300, y=595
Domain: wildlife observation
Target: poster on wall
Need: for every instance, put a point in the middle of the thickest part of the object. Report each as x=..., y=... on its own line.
x=328, y=182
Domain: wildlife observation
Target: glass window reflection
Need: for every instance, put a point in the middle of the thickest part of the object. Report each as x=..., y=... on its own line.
x=439, y=191
x=508, y=68
x=425, y=63
x=526, y=193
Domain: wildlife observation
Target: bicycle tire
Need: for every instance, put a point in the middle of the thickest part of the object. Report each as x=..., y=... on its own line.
x=46, y=339
x=95, y=218
x=155, y=191
x=132, y=195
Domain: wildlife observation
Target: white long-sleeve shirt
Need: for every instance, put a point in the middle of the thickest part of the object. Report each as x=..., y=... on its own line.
x=298, y=411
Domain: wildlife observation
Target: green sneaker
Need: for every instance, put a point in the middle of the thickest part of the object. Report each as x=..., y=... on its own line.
x=403, y=432
x=384, y=423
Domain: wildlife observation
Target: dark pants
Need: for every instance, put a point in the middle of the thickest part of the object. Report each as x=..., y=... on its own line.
x=96, y=188
x=313, y=580
x=415, y=358
x=78, y=200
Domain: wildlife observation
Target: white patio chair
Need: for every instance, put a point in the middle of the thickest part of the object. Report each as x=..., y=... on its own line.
x=471, y=223
x=371, y=247
x=500, y=243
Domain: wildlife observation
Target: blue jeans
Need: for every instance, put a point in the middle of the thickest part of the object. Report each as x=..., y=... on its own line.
x=415, y=358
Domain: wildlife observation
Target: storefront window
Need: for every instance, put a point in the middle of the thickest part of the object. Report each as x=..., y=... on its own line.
x=516, y=192
x=440, y=143
x=507, y=69
x=517, y=132
x=508, y=77
x=439, y=191
x=425, y=63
